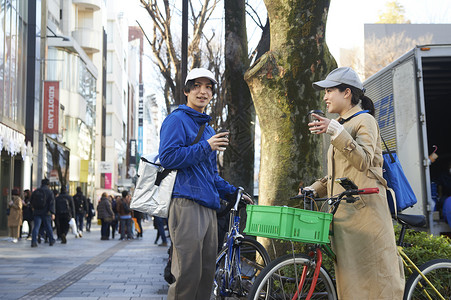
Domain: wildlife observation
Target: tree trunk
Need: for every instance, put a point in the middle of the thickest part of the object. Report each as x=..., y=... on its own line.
x=239, y=156
x=281, y=86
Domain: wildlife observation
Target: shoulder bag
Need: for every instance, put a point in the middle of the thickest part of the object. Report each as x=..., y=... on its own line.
x=154, y=186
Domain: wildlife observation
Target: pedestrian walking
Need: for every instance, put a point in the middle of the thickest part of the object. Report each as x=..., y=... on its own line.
x=65, y=210
x=91, y=214
x=15, y=215
x=27, y=213
x=43, y=203
x=81, y=209
x=159, y=225
x=115, y=222
x=125, y=215
x=105, y=214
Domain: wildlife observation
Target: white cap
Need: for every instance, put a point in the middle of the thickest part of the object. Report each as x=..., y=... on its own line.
x=343, y=75
x=200, y=72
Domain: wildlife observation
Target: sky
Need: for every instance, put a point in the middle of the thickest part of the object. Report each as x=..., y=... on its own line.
x=345, y=22
x=346, y=18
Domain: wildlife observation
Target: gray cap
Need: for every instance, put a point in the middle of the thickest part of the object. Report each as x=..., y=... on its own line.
x=343, y=75
x=200, y=72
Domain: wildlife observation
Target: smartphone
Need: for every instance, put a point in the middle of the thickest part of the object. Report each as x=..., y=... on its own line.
x=346, y=183
x=224, y=130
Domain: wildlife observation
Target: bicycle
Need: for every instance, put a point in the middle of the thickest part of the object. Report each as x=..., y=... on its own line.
x=301, y=276
x=432, y=280
x=240, y=260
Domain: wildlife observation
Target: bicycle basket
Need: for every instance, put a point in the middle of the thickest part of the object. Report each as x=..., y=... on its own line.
x=288, y=223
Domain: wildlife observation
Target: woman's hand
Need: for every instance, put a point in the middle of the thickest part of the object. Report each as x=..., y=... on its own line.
x=219, y=141
x=320, y=125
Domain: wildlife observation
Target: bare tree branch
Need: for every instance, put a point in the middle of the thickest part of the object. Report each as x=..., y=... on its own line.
x=259, y=23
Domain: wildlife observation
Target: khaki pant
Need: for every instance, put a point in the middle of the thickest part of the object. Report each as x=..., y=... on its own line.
x=193, y=230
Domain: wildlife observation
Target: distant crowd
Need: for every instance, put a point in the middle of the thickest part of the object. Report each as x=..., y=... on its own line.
x=47, y=212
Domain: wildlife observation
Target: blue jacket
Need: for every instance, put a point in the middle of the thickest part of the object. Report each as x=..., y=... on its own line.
x=197, y=177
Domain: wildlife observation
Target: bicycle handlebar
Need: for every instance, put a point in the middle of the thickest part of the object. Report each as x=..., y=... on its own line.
x=239, y=194
x=369, y=191
x=232, y=204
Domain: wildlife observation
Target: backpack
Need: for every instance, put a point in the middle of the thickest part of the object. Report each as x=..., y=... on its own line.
x=38, y=199
x=61, y=205
x=79, y=204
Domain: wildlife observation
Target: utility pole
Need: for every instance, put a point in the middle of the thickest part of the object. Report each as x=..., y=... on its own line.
x=184, y=49
x=42, y=64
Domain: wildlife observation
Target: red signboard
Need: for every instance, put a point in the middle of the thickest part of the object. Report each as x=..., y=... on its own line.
x=51, y=107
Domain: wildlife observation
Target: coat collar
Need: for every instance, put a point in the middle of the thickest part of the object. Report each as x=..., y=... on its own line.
x=350, y=112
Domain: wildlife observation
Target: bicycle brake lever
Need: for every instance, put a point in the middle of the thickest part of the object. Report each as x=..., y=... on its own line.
x=351, y=199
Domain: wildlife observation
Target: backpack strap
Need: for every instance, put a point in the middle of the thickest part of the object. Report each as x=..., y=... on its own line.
x=199, y=134
x=162, y=175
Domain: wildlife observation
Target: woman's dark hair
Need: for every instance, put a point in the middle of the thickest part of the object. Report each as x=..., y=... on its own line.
x=357, y=95
x=15, y=192
x=190, y=84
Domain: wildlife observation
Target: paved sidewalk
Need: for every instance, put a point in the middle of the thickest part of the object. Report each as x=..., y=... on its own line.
x=84, y=268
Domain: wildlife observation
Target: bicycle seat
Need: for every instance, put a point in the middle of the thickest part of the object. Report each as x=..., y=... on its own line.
x=412, y=220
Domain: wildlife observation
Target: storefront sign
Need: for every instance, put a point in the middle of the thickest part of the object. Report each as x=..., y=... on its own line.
x=51, y=107
x=133, y=152
x=53, y=178
x=108, y=179
x=106, y=167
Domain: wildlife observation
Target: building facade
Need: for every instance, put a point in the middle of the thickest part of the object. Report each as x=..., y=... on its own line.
x=15, y=151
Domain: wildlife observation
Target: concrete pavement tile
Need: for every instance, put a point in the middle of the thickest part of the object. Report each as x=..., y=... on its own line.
x=132, y=267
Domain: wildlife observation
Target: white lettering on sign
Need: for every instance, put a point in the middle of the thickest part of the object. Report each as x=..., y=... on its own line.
x=51, y=112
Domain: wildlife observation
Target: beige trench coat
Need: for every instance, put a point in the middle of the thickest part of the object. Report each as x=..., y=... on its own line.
x=15, y=212
x=368, y=265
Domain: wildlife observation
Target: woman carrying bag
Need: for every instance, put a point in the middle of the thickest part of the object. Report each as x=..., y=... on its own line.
x=367, y=266
x=15, y=215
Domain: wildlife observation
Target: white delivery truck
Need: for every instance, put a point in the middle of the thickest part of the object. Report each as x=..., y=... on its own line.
x=412, y=97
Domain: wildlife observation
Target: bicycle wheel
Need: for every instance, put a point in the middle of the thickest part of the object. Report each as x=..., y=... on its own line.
x=253, y=258
x=280, y=280
x=438, y=272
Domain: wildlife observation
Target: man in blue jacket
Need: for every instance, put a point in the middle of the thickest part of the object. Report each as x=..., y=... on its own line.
x=197, y=189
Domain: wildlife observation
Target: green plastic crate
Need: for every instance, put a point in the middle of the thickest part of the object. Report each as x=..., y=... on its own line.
x=288, y=223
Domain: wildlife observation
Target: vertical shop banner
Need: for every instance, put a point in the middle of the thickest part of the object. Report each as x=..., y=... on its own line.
x=51, y=107
x=108, y=179
x=140, y=119
x=84, y=170
x=132, y=152
x=106, y=167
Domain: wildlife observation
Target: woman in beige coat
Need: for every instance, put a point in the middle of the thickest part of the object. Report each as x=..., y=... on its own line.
x=15, y=215
x=368, y=265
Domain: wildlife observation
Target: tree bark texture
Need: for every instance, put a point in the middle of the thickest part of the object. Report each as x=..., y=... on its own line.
x=239, y=156
x=281, y=86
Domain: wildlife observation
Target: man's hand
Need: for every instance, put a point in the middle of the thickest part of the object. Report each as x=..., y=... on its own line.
x=219, y=141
